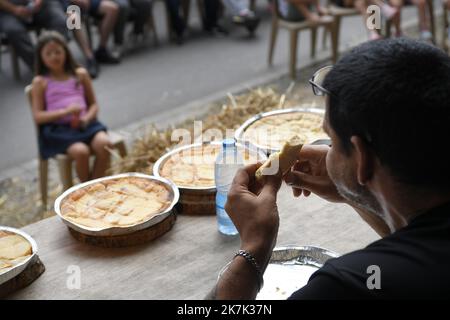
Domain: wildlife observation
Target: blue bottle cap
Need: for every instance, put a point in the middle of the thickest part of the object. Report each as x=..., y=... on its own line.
x=228, y=143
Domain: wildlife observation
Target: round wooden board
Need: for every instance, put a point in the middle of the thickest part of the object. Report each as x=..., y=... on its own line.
x=197, y=204
x=23, y=279
x=127, y=240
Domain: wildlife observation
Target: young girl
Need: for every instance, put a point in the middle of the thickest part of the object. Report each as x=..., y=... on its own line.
x=65, y=109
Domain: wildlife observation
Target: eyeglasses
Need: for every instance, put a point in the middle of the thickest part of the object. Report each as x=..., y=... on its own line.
x=316, y=82
x=317, y=79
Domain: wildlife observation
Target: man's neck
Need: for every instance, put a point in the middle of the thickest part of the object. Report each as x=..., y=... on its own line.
x=401, y=203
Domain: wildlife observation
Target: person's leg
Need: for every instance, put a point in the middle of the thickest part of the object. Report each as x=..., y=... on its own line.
x=99, y=146
x=396, y=19
x=52, y=17
x=424, y=21
x=142, y=9
x=83, y=43
x=422, y=12
x=212, y=17
x=80, y=153
x=122, y=19
x=304, y=8
x=17, y=34
x=177, y=22
x=211, y=14
x=109, y=11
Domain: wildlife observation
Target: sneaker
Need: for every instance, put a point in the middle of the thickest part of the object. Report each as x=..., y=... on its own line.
x=388, y=11
x=92, y=67
x=104, y=56
x=247, y=19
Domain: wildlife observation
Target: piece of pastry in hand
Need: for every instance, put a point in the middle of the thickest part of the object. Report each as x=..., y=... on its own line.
x=281, y=162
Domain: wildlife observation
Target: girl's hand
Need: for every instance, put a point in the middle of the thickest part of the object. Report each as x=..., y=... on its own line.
x=73, y=109
x=84, y=122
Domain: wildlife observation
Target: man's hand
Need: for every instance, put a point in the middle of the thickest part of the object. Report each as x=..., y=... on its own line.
x=254, y=212
x=310, y=174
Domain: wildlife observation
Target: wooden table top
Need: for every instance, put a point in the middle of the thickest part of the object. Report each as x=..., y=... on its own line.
x=183, y=263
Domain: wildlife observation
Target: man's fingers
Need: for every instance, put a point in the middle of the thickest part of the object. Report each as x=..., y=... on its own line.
x=301, y=180
x=297, y=192
x=312, y=152
x=244, y=175
x=271, y=186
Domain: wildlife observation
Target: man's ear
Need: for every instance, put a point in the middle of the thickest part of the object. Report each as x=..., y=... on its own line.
x=363, y=159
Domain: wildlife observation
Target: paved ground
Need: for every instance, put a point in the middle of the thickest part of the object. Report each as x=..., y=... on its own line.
x=151, y=81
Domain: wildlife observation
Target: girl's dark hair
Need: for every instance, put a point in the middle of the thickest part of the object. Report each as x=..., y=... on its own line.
x=70, y=65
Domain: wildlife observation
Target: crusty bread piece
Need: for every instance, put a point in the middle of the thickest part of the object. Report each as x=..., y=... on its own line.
x=286, y=158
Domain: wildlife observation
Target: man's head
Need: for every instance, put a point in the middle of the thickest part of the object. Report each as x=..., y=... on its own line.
x=389, y=108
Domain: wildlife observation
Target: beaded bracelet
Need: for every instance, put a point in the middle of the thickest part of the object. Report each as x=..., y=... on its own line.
x=251, y=259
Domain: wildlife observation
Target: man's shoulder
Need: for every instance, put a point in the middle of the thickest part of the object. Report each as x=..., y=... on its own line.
x=400, y=267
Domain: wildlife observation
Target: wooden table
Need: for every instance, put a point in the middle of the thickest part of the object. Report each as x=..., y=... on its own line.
x=183, y=263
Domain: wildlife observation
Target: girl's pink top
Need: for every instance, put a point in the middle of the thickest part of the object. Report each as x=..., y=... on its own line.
x=61, y=94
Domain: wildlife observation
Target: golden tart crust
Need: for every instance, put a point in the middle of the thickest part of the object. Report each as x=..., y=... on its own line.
x=194, y=167
x=121, y=202
x=274, y=130
x=14, y=249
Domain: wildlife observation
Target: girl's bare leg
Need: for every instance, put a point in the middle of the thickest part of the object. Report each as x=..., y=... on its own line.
x=79, y=152
x=99, y=146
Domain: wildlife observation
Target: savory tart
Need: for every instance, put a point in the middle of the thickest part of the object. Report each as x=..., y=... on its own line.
x=14, y=249
x=194, y=167
x=272, y=131
x=283, y=160
x=121, y=202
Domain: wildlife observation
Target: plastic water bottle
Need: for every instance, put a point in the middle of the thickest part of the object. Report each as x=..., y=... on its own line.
x=228, y=162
